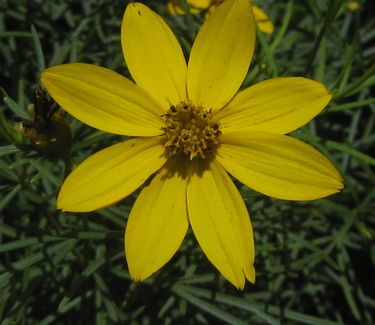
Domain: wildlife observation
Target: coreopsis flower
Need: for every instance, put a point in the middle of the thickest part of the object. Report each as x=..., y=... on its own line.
x=191, y=127
x=175, y=7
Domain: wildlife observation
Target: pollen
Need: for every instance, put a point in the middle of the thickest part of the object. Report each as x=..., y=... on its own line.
x=190, y=130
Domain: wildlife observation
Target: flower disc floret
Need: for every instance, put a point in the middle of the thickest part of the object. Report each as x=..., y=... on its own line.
x=191, y=130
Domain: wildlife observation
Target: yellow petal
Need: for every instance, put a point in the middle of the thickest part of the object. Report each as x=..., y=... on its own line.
x=221, y=54
x=221, y=223
x=103, y=99
x=212, y=7
x=200, y=4
x=111, y=174
x=175, y=7
x=157, y=224
x=278, y=165
x=263, y=21
x=153, y=55
x=278, y=105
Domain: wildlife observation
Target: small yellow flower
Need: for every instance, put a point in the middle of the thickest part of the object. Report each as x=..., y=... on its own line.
x=175, y=7
x=191, y=127
x=353, y=5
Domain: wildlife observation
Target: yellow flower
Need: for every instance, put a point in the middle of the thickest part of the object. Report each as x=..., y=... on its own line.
x=191, y=128
x=175, y=7
x=353, y=5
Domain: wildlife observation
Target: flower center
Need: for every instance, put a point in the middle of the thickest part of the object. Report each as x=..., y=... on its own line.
x=191, y=130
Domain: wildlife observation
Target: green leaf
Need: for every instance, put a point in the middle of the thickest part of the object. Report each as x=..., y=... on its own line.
x=351, y=151
x=208, y=307
x=8, y=197
x=7, y=230
x=16, y=108
x=60, y=249
x=251, y=305
x=7, y=150
x=17, y=244
x=38, y=49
